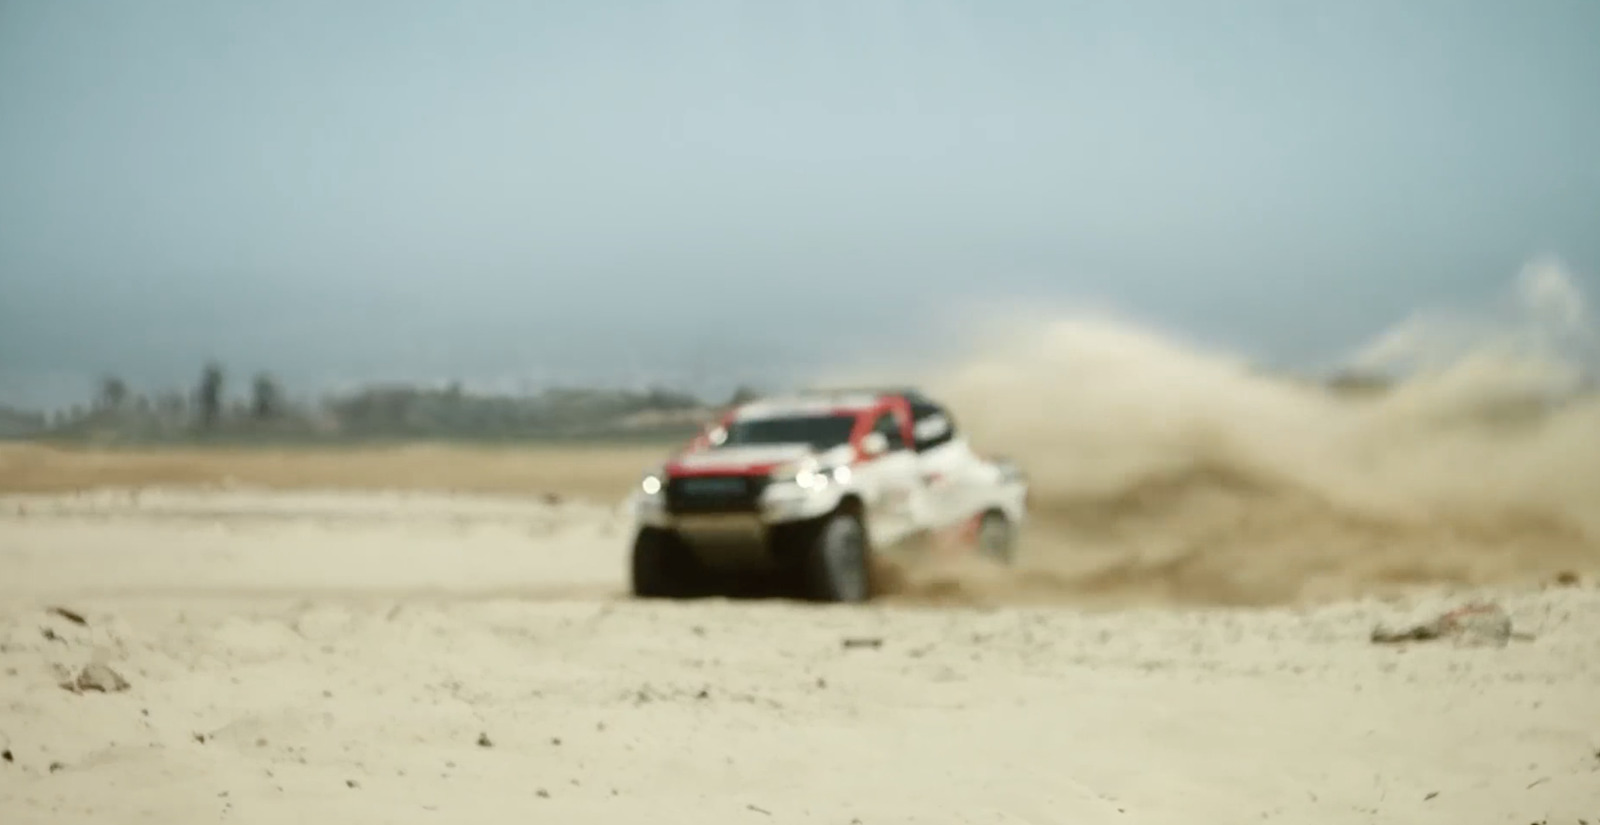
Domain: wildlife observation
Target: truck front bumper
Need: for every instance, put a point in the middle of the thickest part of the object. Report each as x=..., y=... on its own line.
x=742, y=538
x=778, y=504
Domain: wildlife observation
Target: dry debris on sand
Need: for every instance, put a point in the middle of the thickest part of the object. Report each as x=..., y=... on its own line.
x=1479, y=623
x=97, y=678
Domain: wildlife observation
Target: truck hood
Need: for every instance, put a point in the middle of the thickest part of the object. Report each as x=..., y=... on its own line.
x=751, y=460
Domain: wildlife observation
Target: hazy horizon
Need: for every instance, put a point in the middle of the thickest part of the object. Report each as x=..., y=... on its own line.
x=706, y=193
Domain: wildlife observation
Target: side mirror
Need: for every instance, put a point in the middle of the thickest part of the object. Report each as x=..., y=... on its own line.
x=874, y=444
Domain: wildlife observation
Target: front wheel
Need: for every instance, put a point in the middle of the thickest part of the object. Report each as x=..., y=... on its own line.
x=838, y=562
x=664, y=567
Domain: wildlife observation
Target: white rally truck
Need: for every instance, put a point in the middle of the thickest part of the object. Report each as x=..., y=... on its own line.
x=806, y=488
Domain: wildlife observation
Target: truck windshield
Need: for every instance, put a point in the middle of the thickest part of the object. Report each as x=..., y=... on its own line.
x=821, y=432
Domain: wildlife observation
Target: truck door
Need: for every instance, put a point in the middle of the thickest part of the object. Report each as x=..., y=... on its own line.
x=943, y=465
x=892, y=481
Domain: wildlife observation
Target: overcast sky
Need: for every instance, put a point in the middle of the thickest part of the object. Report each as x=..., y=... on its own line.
x=544, y=189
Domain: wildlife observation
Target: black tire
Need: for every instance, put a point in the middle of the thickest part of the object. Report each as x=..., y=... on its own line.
x=997, y=537
x=664, y=567
x=838, y=560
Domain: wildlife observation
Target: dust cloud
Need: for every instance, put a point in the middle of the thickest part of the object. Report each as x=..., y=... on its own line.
x=1165, y=472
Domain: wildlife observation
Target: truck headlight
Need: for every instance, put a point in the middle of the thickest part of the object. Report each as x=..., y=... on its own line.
x=810, y=476
x=651, y=484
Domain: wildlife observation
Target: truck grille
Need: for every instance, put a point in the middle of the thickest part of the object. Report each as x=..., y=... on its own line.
x=714, y=494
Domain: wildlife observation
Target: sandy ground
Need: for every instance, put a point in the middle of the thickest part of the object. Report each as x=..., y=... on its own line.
x=411, y=657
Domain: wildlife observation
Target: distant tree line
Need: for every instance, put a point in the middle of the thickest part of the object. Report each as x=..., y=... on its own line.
x=119, y=412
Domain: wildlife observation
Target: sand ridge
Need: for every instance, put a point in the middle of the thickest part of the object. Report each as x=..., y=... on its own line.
x=601, y=472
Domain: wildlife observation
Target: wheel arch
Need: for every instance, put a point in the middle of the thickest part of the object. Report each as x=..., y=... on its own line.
x=852, y=503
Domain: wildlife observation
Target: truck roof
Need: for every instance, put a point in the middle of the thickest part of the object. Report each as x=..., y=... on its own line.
x=823, y=401
x=880, y=391
x=784, y=406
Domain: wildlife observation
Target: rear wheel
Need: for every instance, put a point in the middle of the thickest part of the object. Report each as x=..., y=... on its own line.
x=838, y=561
x=664, y=567
x=997, y=538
